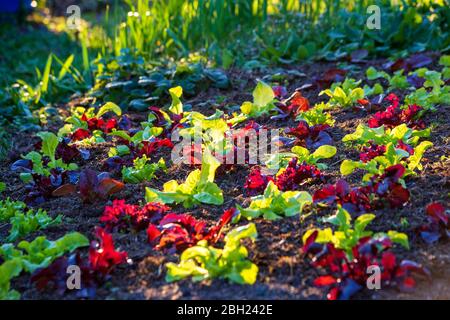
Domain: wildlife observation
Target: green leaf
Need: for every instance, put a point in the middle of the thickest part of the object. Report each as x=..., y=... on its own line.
x=399, y=238
x=445, y=60
x=49, y=144
x=109, y=107
x=2, y=187
x=348, y=166
x=324, y=152
x=177, y=106
x=263, y=94
x=46, y=75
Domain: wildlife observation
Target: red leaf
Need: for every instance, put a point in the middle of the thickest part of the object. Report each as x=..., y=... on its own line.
x=324, y=281
x=436, y=211
x=64, y=190
x=110, y=186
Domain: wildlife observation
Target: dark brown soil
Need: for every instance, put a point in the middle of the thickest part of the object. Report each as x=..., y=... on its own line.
x=283, y=272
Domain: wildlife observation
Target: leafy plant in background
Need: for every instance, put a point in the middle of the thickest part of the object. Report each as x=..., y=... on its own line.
x=134, y=84
x=274, y=204
x=207, y=262
x=87, y=123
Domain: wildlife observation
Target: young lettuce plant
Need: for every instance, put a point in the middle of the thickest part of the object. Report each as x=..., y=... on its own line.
x=445, y=61
x=303, y=155
x=275, y=204
x=48, y=149
x=24, y=223
x=349, y=234
x=88, y=126
x=31, y=256
x=199, y=187
x=365, y=136
x=9, y=209
x=317, y=115
x=434, y=91
x=391, y=157
x=142, y=170
x=206, y=262
x=263, y=98
x=345, y=95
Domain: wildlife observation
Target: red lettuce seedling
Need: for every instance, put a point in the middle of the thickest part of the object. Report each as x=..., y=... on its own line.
x=94, y=187
x=438, y=223
x=102, y=254
x=379, y=190
x=102, y=259
x=394, y=115
x=177, y=232
x=372, y=151
x=415, y=61
x=148, y=148
x=256, y=182
x=122, y=215
x=54, y=277
x=311, y=137
x=345, y=276
x=95, y=123
x=296, y=175
x=329, y=77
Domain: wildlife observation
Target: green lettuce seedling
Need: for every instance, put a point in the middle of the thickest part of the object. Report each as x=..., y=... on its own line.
x=199, y=187
x=345, y=95
x=274, y=204
x=142, y=170
x=31, y=256
x=24, y=223
x=317, y=115
x=364, y=135
x=263, y=98
x=49, y=144
x=206, y=262
x=348, y=234
x=303, y=155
